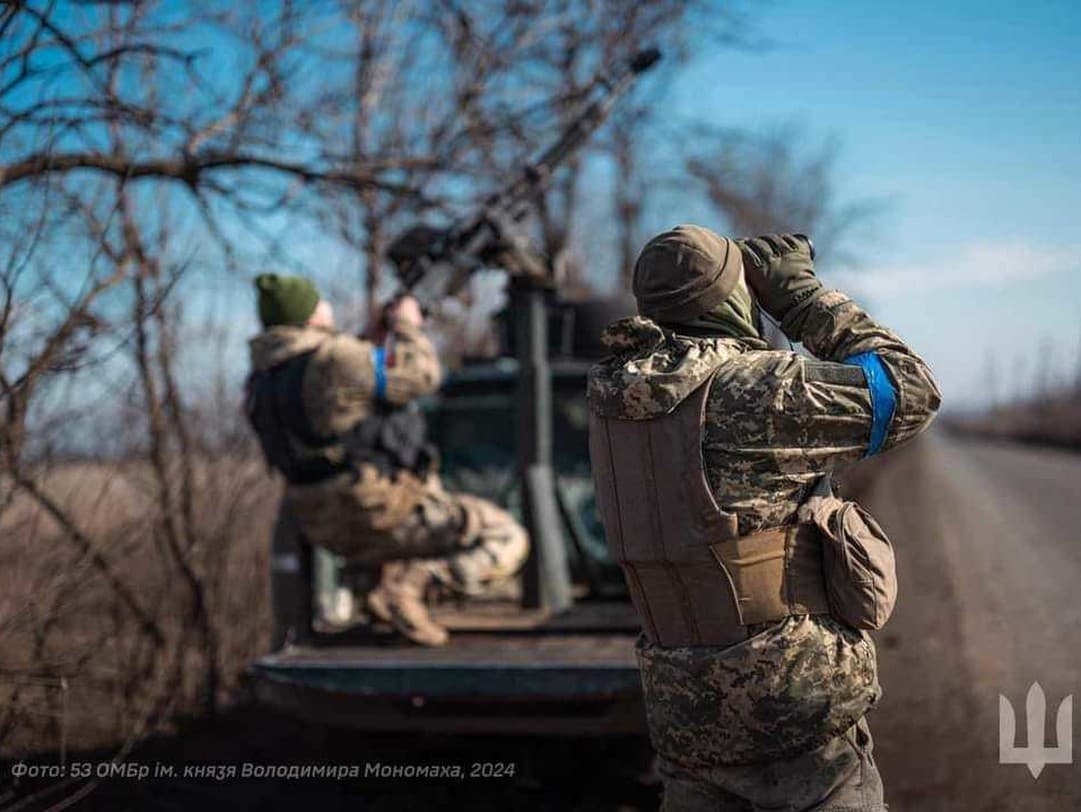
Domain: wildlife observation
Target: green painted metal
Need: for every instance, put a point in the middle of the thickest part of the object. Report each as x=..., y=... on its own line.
x=460, y=682
x=546, y=580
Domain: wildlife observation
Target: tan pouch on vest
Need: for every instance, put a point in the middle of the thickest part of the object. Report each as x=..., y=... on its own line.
x=775, y=573
x=860, y=571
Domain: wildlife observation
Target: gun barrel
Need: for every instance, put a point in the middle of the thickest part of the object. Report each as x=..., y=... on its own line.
x=580, y=129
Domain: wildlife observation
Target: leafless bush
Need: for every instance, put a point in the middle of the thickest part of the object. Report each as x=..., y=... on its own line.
x=777, y=181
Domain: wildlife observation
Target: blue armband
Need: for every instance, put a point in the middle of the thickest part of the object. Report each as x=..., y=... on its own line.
x=379, y=362
x=883, y=397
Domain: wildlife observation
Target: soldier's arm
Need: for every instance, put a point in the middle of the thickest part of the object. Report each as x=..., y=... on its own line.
x=898, y=392
x=339, y=384
x=410, y=365
x=349, y=374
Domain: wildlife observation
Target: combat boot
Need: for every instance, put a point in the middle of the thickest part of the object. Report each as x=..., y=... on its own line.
x=399, y=600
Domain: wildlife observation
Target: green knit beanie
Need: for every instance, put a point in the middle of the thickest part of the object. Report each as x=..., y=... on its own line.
x=285, y=300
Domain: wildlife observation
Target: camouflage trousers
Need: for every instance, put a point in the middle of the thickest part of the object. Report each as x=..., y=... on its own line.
x=774, y=722
x=838, y=776
x=369, y=519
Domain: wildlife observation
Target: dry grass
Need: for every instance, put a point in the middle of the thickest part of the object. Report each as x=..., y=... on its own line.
x=76, y=667
x=1053, y=420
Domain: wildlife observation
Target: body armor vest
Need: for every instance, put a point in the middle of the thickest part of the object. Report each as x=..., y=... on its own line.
x=693, y=579
x=392, y=438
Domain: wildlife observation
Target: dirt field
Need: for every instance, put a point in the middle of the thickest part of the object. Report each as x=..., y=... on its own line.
x=77, y=668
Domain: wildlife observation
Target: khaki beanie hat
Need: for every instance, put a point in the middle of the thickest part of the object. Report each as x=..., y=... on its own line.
x=684, y=273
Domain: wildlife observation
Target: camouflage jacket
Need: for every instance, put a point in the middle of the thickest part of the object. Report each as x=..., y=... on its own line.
x=339, y=383
x=775, y=422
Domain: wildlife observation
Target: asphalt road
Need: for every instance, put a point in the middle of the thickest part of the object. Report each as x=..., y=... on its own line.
x=988, y=539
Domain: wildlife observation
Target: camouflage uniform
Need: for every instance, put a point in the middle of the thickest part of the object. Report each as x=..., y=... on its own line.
x=775, y=722
x=368, y=516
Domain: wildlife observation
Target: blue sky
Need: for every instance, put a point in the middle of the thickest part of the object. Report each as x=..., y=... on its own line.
x=966, y=117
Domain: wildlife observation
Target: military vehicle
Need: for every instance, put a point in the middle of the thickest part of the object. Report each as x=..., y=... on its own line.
x=553, y=652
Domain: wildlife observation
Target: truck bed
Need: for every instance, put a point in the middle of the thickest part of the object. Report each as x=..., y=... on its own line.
x=504, y=671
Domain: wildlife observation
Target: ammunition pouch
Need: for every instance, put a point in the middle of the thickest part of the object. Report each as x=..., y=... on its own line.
x=836, y=561
x=858, y=560
x=715, y=592
x=775, y=573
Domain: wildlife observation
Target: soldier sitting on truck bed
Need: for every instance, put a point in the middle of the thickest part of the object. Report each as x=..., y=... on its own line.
x=336, y=416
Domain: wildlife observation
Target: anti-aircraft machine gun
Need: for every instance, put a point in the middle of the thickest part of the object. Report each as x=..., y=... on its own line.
x=435, y=263
x=540, y=669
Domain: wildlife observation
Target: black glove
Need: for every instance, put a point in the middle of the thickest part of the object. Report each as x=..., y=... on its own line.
x=779, y=268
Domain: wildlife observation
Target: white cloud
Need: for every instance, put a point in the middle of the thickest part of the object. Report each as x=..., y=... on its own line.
x=976, y=264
